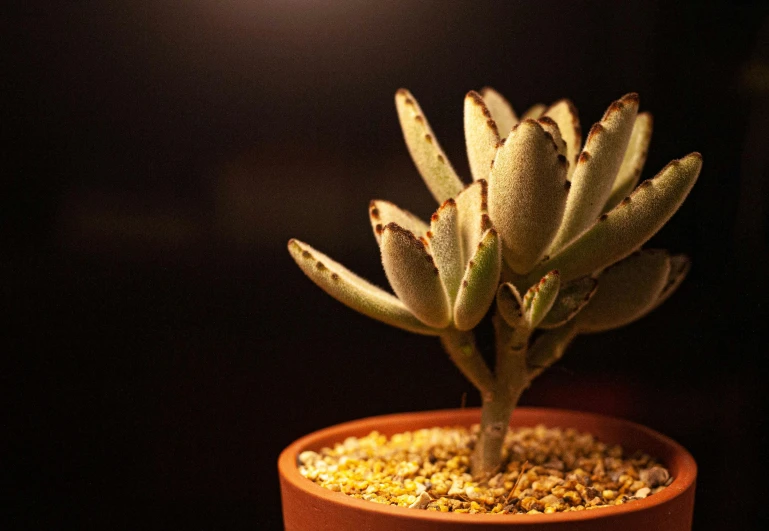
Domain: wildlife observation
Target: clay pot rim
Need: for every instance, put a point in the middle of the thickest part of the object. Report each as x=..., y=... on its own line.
x=680, y=460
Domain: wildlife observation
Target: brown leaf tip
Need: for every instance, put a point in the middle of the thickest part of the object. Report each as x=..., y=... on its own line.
x=595, y=130
x=603, y=217
x=402, y=92
x=465, y=283
x=583, y=157
x=435, y=217
x=441, y=159
x=306, y=254
x=470, y=264
x=547, y=120
x=625, y=201
x=379, y=229
x=631, y=98
x=429, y=138
x=448, y=202
x=567, y=185
x=334, y=276
x=562, y=161
x=419, y=119
x=429, y=234
x=375, y=212
x=646, y=184
x=423, y=240
x=320, y=266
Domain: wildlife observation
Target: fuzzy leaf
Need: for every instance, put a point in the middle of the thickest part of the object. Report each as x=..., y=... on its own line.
x=633, y=163
x=429, y=158
x=509, y=304
x=679, y=268
x=628, y=226
x=501, y=111
x=534, y=112
x=539, y=299
x=549, y=125
x=627, y=291
x=383, y=212
x=596, y=169
x=564, y=113
x=479, y=283
x=414, y=277
x=446, y=247
x=572, y=297
x=549, y=348
x=481, y=136
x=353, y=291
x=527, y=194
x=473, y=217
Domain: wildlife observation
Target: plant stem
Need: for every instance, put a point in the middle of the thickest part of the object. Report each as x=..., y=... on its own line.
x=462, y=350
x=511, y=379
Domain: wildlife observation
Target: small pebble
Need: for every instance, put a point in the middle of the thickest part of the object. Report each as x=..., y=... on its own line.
x=430, y=470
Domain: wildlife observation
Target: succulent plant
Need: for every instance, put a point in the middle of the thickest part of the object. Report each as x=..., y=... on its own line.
x=549, y=233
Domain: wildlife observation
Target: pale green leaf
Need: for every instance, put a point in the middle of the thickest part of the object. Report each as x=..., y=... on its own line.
x=628, y=226
x=626, y=291
x=445, y=246
x=564, y=113
x=539, y=298
x=549, y=125
x=481, y=136
x=501, y=111
x=509, y=304
x=596, y=169
x=383, y=212
x=633, y=162
x=355, y=292
x=527, y=194
x=572, y=297
x=414, y=276
x=429, y=158
x=679, y=268
x=534, y=112
x=479, y=283
x=473, y=217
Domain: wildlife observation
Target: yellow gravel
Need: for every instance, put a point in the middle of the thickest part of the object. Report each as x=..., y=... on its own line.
x=544, y=470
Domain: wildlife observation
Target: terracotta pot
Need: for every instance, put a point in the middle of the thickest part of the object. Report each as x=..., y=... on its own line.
x=309, y=507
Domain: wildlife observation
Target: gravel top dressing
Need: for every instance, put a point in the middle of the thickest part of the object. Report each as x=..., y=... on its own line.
x=544, y=470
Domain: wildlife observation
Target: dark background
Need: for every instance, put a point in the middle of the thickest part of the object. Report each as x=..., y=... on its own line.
x=161, y=347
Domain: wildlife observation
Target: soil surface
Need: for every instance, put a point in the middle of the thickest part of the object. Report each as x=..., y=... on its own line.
x=544, y=470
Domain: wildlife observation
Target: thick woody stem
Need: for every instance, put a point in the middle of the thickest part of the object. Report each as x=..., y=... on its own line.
x=511, y=379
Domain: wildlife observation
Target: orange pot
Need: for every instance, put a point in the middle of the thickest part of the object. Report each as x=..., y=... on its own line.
x=309, y=507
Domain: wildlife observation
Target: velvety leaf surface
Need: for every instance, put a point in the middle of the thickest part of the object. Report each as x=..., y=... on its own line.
x=628, y=226
x=353, y=291
x=596, y=168
x=527, y=194
x=626, y=291
x=414, y=276
x=479, y=283
x=429, y=158
x=481, y=136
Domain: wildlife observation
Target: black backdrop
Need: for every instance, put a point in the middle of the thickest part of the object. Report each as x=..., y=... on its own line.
x=160, y=346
